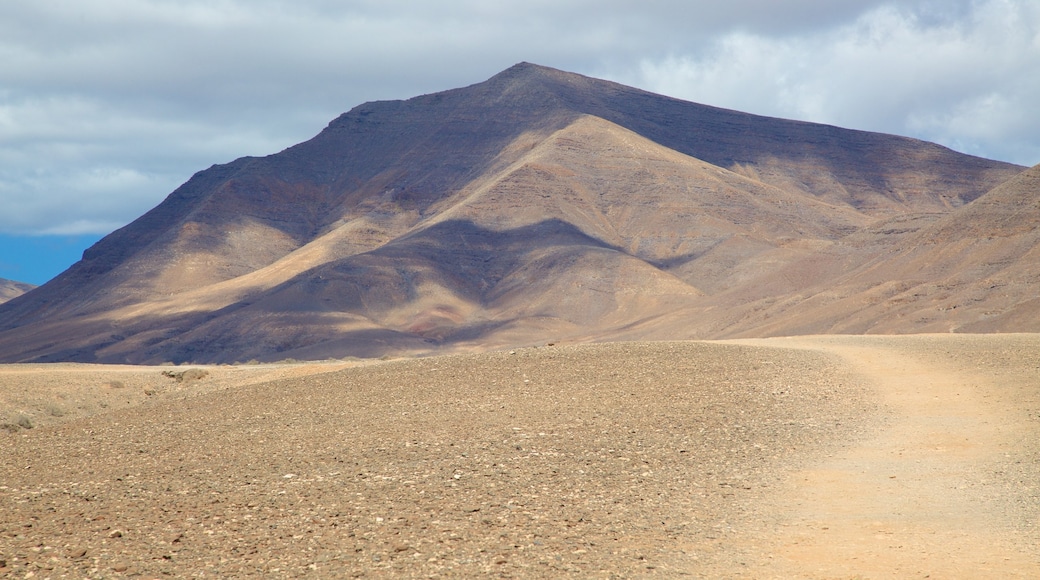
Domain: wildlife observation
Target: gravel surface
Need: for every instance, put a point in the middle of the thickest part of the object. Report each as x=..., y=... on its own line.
x=616, y=460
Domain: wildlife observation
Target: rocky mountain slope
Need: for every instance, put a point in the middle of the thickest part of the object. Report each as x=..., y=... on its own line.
x=974, y=269
x=537, y=206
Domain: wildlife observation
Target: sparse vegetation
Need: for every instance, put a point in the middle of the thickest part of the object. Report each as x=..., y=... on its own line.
x=187, y=376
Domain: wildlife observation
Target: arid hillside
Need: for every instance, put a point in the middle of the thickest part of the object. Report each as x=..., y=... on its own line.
x=539, y=206
x=806, y=457
x=973, y=269
x=10, y=289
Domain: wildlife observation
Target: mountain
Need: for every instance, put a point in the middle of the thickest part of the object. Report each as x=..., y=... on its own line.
x=10, y=289
x=536, y=206
x=974, y=269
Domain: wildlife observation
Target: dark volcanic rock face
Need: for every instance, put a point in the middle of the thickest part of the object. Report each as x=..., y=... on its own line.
x=538, y=205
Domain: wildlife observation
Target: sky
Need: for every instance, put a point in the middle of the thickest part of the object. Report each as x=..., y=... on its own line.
x=106, y=106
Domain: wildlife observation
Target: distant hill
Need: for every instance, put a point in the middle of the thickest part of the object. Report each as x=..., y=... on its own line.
x=10, y=289
x=973, y=269
x=541, y=206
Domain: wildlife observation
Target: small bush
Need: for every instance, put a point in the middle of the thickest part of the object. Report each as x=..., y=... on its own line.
x=25, y=422
x=187, y=375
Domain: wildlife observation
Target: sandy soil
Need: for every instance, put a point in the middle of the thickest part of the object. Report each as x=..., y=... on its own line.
x=47, y=394
x=948, y=488
x=820, y=457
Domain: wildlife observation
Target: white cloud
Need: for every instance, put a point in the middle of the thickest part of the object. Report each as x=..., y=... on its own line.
x=967, y=82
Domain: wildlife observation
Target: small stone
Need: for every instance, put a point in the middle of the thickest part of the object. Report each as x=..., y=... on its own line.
x=115, y=534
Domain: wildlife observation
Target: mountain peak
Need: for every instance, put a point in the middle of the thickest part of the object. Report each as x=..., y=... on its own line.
x=526, y=77
x=528, y=69
x=525, y=67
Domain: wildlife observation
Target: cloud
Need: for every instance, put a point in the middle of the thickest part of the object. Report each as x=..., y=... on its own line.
x=87, y=199
x=74, y=164
x=107, y=105
x=961, y=76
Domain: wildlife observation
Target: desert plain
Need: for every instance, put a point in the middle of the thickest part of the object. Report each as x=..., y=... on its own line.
x=808, y=457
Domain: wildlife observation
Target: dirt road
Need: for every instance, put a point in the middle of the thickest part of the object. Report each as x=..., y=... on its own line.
x=946, y=489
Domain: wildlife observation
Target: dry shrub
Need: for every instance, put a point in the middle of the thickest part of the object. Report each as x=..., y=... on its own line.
x=187, y=376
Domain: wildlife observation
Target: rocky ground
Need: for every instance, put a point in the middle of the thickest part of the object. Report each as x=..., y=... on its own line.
x=830, y=457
